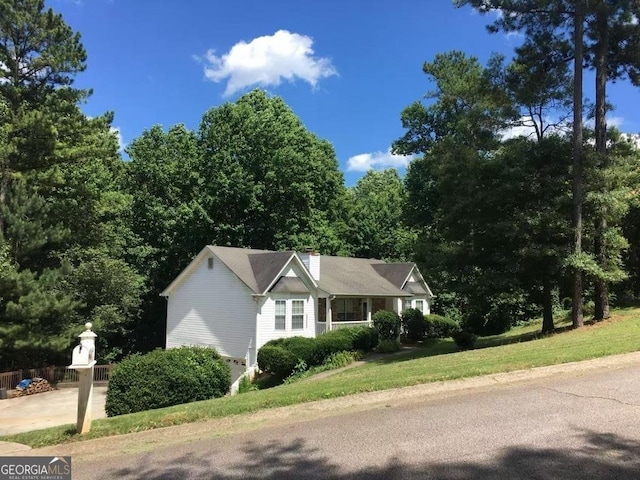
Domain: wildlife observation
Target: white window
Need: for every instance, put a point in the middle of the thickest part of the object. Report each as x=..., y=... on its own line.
x=407, y=304
x=281, y=314
x=297, y=314
x=420, y=305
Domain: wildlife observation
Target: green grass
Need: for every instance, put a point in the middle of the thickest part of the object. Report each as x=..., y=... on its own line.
x=518, y=349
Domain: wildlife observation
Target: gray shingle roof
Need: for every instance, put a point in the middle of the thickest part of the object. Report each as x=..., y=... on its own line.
x=256, y=268
x=355, y=277
x=396, y=273
x=338, y=275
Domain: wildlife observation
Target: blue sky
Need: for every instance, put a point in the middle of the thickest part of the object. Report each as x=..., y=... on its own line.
x=346, y=68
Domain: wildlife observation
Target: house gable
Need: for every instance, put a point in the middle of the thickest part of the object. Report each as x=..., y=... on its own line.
x=212, y=307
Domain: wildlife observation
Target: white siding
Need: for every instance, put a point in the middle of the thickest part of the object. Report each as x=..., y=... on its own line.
x=266, y=318
x=266, y=315
x=212, y=307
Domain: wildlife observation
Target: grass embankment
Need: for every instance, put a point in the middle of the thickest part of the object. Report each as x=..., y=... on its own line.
x=518, y=349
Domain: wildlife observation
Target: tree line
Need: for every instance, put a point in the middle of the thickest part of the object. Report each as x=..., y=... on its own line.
x=87, y=236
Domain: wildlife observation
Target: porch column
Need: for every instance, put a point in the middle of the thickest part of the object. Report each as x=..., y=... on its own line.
x=328, y=314
x=369, y=311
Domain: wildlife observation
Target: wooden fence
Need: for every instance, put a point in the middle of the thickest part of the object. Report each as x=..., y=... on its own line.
x=53, y=375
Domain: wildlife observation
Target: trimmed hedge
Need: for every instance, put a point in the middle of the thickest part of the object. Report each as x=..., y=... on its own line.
x=332, y=342
x=363, y=338
x=441, y=327
x=277, y=360
x=414, y=323
x=303, y=348
x=388, y=324
x=280, y=357
x=166, y=377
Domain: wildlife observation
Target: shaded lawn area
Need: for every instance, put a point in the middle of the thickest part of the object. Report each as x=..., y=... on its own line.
x=436, y=362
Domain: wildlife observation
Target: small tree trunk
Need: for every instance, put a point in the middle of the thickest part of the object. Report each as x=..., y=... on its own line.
x=577, y=186
x=601, y=290
x=547, y=305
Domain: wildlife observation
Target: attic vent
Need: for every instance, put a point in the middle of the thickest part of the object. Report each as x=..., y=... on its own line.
x=210, y=263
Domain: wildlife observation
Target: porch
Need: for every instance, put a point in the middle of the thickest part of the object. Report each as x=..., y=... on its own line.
x=344, y=312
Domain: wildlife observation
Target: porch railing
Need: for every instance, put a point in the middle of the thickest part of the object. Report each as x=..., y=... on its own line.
x=343, y=324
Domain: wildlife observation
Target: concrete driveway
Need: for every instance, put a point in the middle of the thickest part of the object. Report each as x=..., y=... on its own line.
x=42, y=410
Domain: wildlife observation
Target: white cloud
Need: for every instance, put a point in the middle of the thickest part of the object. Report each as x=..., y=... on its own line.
x=615, y=121
x=633, y=138
x=377, y=161
x=118, y=135
x=267, y=61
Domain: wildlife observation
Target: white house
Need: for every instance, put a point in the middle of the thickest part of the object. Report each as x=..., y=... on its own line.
x=237, y=299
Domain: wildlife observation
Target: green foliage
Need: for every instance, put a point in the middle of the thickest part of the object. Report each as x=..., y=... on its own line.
x=464, y=339
x=502, y=228
x=245, y=385
x=388, y=346
x=224, y=184
x=285, y=357
x=440, y=327
x=340, y=359
x=166, y=377
x=302, y=348
x=363, y=339
x=376, y=228
x=332, y=362
x=332, y=342
x=414, y=324
x=387, y=324
x=276, y=360
x=63, y=217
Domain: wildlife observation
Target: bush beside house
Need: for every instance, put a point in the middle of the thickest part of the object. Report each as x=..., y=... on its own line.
x=440, y=327
x=166, y=377
x=388, y=326
x=282, y=356
x=414, y=324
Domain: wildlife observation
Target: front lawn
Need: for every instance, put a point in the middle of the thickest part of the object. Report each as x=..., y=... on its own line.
x=515, y=350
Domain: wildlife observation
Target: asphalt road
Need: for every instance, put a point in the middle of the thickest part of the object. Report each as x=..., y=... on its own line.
x=572, y=426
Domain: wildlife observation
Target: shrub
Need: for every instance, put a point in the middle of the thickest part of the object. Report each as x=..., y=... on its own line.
x=388, y=346
x=332, y=342
x=387, y=324
x=166, y=377
x=362, y=338
x=245, y=385
x=277, y=360
x=303, y=348
x=440, y=327
x=464, y=339
x=414, y=323
x=339, y=359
